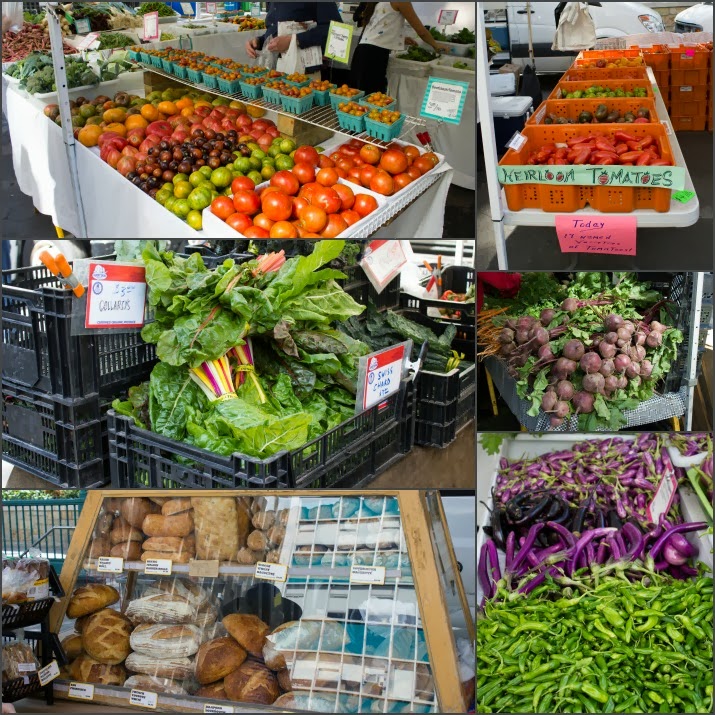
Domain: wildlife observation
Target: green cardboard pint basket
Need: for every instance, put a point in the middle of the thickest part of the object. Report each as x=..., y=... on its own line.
x=336, y=99
x=252, y=91
x=385, y=132
x=350, y=122
x=297, y=105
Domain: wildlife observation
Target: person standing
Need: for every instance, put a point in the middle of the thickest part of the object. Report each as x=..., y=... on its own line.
x=298, y=33
x=384, y=25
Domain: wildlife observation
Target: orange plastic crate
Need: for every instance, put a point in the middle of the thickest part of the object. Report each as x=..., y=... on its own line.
x=571, y=108
x=625, y=84
x=693, y=93
x=684, y=107
x=657, y=57
x=590, y=55
x=590, y=75
x=662, y=79
x=689, y=57
x=689, y=77
x=565, y=199
x=688, y=124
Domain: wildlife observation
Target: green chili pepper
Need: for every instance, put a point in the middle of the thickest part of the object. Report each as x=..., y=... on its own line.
x=613, y=617
x=600, y=627
x=593, y=692
x=650, y=623
x=674, y=633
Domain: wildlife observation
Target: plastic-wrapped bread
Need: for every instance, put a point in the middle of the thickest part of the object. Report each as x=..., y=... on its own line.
x=243, y=511
x=135, y=509
x=312, y=702
x=216, y=527
x=183, y=588
x=104, y=524
x=165, y=641
x=273, y=556
x=174, y=525
x=246, y=557
x=176, y=506
x=257, y=541
x=18, y=660
x=100, y=546
x=155, y=685
x=129, y=551
x=122, y=532
x=171, y=544
x=161, y=608
x=301, y=635
x=276, y=534
x=172, y=668
x=283, y=517
x=264, y=520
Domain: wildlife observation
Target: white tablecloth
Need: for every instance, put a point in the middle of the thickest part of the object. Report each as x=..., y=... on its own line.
x=223, y=44
x=455, y=141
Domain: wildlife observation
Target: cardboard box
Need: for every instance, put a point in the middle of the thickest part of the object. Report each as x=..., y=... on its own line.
x=512, y=69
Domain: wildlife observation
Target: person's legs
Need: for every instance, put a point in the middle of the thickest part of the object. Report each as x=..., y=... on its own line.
x=369, y=68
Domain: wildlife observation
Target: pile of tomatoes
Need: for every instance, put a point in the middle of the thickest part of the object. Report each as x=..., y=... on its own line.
x=384, y=171
x=305, y=202
x=622, y=148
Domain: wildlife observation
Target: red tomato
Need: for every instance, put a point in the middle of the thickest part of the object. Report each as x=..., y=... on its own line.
x=350, y=217
x=263, y=221
x=307, y=190
x=277, y=206
x=256, y=232
x=336, y=156
x=246, y=202
x=313, y=218
x=358, y=161
x=366, y=175
x=342, y=174
x=239, y=222
x=327, y=177
x=307, y=155
x=286, y=182
x=222, y=207
x=242, y=183
x=414, y=172
x=382, y=183
x=345, y=164
x=283, y=229
x=304, y=172
x=401, y=180
x=432, y=157
x=336, y=225
x=357, y=143
x=348, y=150
x=423, y=164
x=393, y=161
x=411, y=152
x=327, y=199
x=364, y=204
x=354, y=174
x=370, y=154
x=325, y=162
x=299, y=203
x=347, y=197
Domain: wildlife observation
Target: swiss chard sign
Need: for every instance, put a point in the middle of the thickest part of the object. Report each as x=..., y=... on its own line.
x=661, y=177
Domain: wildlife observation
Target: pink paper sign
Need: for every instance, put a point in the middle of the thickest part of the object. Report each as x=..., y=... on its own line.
x=597, y=234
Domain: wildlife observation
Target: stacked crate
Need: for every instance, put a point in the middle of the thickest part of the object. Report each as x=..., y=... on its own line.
x=658, y=59
x=689, y=91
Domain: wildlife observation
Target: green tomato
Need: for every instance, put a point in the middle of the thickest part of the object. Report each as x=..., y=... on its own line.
x=254, y=164
x=221, y=177
x=179, y=177
x=255, y=177
x=243, y=164
x=196, y=178
x=274, y=150
x=258, y=154
x=284, y=163
x=194, y=220
x=267, y=171
x=287, y=146
x=199, y=199
x=181, y=208
x=206, y=171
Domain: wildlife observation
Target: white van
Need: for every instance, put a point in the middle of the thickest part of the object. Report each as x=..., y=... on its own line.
x=698, y=18
x=612, y=19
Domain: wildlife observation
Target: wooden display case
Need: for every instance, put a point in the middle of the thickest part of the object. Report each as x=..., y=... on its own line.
x=377, y=615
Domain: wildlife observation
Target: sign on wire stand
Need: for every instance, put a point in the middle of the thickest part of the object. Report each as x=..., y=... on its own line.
x=116, y=296
x=597, y=234
x=380, y=375
x=340, y=37
x=444, y=99
x=382, y=261
x=151, y=26
x=447, y=17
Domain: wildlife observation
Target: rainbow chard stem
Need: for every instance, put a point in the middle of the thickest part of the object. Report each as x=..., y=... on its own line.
x=214, y=378
x=244, y=356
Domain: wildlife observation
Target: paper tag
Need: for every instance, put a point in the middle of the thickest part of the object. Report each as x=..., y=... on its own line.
x=110, y=564
x=340, y=36
x=82, y=26
x=26, y=667
x=444, y=99
x=186, y=8
x=143, y=698
x=88, y=40
x=686, y=89
x=666, y=125
x=663, y=497
x=48, y=673
x=151, y=26
x=203, y=568
x=517, y=141
x=218, y=709
x=115, y=296
x=158, y=567
x=382, y=261
x=447, y=17
x=81, y=691
x=211, y=8
x=597, y=234
x=380, y=375
x=683, y=196
x=370, y=575
x=271, y=572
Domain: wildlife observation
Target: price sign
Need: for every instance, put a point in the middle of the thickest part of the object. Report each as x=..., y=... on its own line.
x=368, y=575
x=26, y=667
x=151, y=26
x=48, y=673
x=382, y=261
x=663, y=497
x=444, y=99
x=340, y=36
x=683, y=196
x=255, y=9
x=380, y=375
x=110, y=564
x=271, y=572
x=158, y=567
x=597, y=234
x=143, y=698
x=116, y=296
x=203, y=568
x=81, y=691
x=218, y=709
x=517, y=141
x=87, y=41
x=211, y=8
x=82, y=26
x=447, y=17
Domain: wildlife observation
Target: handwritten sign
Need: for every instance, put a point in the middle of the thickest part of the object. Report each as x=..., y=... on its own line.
x=382, y=261
x=88, y=41
x=158, y=567
x=210, y=708
x=517, y=141
x=110, y=564
x=340, y=36
x=663, y=497
x=367, y=575
x=663, y=177
x=447, y=17
x=151, y=26
x=143, y=698
x=82, y=26
x=380, y=375
x=116, y=296
x=444, y=99
x=48, y=673
x=81, y=691
x=271, y=572
x=597, y=234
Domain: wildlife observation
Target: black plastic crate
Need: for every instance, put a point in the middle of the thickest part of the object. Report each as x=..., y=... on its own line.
x=389, y=298
x=62, y=440
x=30, y=613
x=454, y=278
x=211, y=259
x=39, y=350
x=351, y=452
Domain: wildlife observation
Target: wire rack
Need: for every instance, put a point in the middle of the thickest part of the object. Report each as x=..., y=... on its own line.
x=325, y=117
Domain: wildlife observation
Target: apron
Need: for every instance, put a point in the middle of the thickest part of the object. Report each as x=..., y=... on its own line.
x=296, y=59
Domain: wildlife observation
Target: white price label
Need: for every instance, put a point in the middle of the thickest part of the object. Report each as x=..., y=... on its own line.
x=380, y=375
x=81, y=691
x=110, y=564
x=151, y=26
x=383, y=260
x=115, y=296
x=88, y=40
x=82, y=26
x=158, y=567
x=211, y=8
x=686, y=89
x=271, y=572
x=517, y=141
x=444, y=99
x=447, y=17
x=143, y=698
x=26, y=667
x=367, y=575
x=48, y=673
x=337, y=46
x=666, y=124
x=663, y=497
x=208, y=708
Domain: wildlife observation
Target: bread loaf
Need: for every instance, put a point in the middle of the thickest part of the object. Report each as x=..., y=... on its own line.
x=80, y=623
x=217, y=658
x=246, y=557
x=88, y=599
x=273, y=556
x=160, y=500
x=243, y=512
x=130, y=551
x=212, y=691
x=135, y=509
x=72, y=646
x=276, y=534
x=301, y=635
x=172, y=668
x=104, y=524
x=100, y=546
x=165, y=641
x=170, y=543
x=285, y=682
x=161, y=608
x=252, y=683
x=259, y=504
x=179, y=558
x=183, y=588
x=257, y=541
x=216, y=527
x=155, y=685
x=174, y=525
x=176, y=506
x=206, y=617
x=86, y=669
x=249, y=630
x=282, y=517
x=112, y=505
x=18, y=660
x=105, y=636
x=122, y=532
x=264, y=520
